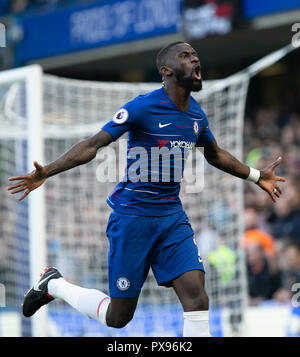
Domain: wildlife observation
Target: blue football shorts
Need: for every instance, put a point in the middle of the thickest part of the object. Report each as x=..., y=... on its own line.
x=136, y=243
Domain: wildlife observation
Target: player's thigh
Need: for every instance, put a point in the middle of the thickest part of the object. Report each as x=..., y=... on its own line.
x=177, y=252
x=190, y=289
x=128, y=259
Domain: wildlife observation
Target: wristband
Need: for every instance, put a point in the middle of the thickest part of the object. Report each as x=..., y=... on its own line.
x=254, y=175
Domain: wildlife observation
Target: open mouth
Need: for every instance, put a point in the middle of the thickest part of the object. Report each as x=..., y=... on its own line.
x=197, y=73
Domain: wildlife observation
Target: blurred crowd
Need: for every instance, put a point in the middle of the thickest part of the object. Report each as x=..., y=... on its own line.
x=272, y=237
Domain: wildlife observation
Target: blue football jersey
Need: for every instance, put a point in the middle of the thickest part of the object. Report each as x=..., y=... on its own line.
x=159, y=137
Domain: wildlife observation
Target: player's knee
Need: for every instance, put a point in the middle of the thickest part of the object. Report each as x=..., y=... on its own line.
x=197, y=300
x=199, y=303
x=203, y=301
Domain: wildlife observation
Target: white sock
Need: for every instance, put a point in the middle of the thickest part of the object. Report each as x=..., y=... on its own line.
x=90, y=302
x=196, y=324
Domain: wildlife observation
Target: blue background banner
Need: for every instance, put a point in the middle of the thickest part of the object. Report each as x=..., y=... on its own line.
x=254, y=8
x=98, y=24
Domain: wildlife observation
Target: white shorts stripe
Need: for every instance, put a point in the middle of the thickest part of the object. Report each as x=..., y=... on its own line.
x=130, y=189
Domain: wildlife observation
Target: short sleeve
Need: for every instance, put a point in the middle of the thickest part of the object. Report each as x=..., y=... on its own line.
x=205, y=138
x=124, y=119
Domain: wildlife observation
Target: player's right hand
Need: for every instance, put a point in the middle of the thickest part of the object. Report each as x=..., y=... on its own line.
x=29, y=182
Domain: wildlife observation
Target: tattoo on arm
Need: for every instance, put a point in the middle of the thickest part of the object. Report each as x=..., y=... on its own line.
x=79, y=154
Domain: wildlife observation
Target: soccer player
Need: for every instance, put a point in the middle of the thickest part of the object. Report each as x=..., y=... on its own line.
x=147, y=226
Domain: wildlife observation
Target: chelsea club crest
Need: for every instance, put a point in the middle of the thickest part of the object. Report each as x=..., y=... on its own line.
x=196, y=127
x=123, y=284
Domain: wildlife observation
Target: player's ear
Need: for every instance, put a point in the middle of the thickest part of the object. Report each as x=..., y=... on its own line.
x=166, y=71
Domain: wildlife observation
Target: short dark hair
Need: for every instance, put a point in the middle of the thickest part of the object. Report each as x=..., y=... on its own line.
x=162, y=56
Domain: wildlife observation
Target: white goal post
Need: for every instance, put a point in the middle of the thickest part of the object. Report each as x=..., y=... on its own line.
x=31, y=130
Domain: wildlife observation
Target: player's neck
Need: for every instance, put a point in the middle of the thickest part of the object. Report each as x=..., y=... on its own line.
x=179, y=96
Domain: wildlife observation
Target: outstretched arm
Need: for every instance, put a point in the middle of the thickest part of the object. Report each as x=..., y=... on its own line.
x=79, y=154
x=224, y=161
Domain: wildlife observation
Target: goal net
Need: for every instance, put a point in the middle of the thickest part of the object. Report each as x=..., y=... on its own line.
x=63, y=224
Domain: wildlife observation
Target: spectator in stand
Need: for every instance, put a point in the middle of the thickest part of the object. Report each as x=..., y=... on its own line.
x=290, y=271
x=276, y=135
x=285, y=221
x=292, y=161
x=262, y=281
x=253, y=234
x=269, y=227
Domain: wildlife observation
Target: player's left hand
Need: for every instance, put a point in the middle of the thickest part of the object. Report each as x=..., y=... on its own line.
x=268, y=180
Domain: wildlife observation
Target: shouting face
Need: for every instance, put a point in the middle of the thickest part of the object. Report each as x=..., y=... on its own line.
x=184, y=65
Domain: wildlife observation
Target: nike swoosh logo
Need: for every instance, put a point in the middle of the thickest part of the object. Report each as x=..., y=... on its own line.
x=37, y=288
x=163, y=125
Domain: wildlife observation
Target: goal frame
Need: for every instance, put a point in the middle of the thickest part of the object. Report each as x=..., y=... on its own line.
x=32, y=76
